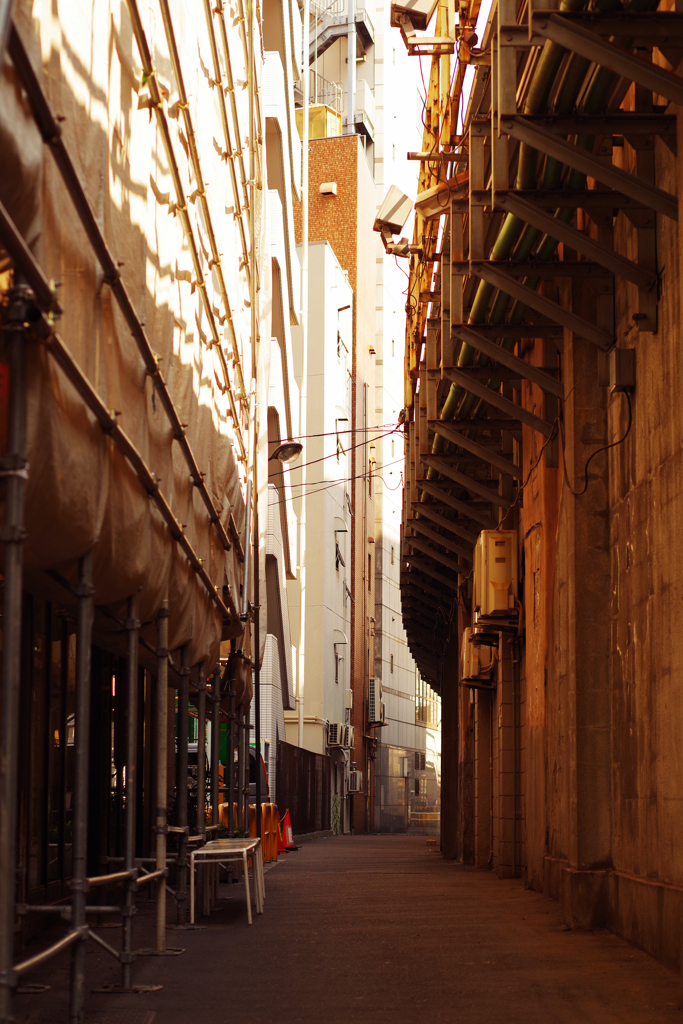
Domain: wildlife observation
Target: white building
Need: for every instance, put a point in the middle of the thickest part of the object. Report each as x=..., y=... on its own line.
x=327, y=582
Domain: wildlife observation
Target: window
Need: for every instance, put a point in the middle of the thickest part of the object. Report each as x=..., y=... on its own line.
x=392, y=554
x=417, y=787
x=391, y=663
x=417, y=760
x=369, y=574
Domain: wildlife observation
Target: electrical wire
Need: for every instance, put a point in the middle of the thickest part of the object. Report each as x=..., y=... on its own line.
x=603, y=448
x=333, y=455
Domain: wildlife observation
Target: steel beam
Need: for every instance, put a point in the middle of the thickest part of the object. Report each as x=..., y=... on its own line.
x=456, y=549
x=443, y=428
x=514, y=288
x=452, y=525
x=465, y=509
x=477, y=339
x=422, y=566
x=527, y=330
x=618, y=122
x=557, y=229
x=423, y=587
x=550, y=144
x=546, y=269
x=497, y=400
x=578, y=198
x=473, y=486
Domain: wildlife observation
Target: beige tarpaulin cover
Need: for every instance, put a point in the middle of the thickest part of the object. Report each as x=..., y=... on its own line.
x=81, y=491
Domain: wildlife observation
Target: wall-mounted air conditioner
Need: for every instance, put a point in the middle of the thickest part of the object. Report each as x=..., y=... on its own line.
x=336, y=732
x=494, y=592
x=476, y=661
x=374, y=700
x=348, y=736
x=355, y=781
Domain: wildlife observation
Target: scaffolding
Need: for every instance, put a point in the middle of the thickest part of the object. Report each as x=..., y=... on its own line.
x=170, y=634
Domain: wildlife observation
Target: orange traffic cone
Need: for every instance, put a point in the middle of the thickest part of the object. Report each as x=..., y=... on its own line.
x=280, y=844
x=287, y=835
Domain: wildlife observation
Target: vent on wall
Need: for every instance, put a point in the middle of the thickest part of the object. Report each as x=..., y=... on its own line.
x=328, y=188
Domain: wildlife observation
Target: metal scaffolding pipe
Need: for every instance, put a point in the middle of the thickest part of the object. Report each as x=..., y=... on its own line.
x=181, y=785
x=132, y=629
x=215, y=742
x=240, y=768
x=231, y=758
x=162, y=769
x=85, y=591
x=14, y=469
x=201, y=774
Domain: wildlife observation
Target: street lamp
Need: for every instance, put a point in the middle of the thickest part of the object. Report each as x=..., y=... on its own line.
x=287, y=451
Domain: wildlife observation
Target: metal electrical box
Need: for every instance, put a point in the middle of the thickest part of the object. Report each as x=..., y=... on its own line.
x=496, y=580
x=476, y=662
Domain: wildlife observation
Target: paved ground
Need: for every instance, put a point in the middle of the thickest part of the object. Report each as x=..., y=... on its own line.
x=375, y=929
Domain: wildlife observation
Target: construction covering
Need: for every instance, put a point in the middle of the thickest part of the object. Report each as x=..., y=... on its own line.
x=82, y=493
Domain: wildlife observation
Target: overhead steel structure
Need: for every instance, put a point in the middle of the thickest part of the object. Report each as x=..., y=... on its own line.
x=525, y=186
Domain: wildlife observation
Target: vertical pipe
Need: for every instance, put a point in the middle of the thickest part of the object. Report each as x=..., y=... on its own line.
x=5, y=21
x=201, y=777
x=215, y=743
x=181, y=784
x=231, y=758
x=14, y=462
x=303, y=394
x=351, y=59
x=240, y=767
x=132, y=628
x=244, y=611
x=162, y=769
x=257, y=668
x=85, y=592
x=201, y=750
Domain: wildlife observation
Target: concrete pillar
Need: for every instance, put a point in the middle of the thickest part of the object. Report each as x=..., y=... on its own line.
x=584, y=879
x=449, y=752
x=482, y=779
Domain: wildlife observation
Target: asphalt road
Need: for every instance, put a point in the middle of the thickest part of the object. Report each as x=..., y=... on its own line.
x=374, y=929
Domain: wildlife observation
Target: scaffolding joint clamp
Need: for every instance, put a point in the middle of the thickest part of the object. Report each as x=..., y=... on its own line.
x=84, y=590
x=160, y=830
x=162, y=652
x=13, y=534
x=127, y=958
x=132, y=624
x=8, y=979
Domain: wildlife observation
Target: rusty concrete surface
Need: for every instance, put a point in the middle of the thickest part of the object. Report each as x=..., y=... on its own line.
x=374, y=929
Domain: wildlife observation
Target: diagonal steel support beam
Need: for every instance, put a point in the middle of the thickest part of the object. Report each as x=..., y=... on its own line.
x=412, y=582
x=452, y=525
x=497, y=400
x=549, y=143
x=557, y=229
x=481, y=451
x=422, y=566
x=445, y=542
x=588, y=44
x=436, y=491
x=514, y=288
x=473, y=486
x=484, y=344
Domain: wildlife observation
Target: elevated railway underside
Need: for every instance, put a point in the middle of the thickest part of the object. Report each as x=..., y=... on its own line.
x=542, y=340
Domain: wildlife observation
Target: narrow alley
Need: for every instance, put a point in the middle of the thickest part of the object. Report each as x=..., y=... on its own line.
x=378, y=928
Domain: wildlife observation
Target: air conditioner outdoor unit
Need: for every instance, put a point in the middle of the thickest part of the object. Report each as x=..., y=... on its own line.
x=348, y=736
x=374, y=700
x=494, y=605
x=336, y=734
x=476, y=662
x=355, y=781
x=348, y=699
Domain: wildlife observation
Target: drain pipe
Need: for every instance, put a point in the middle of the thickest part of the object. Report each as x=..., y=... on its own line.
x=303, y=394
x=162, y=770
x=351, y=61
